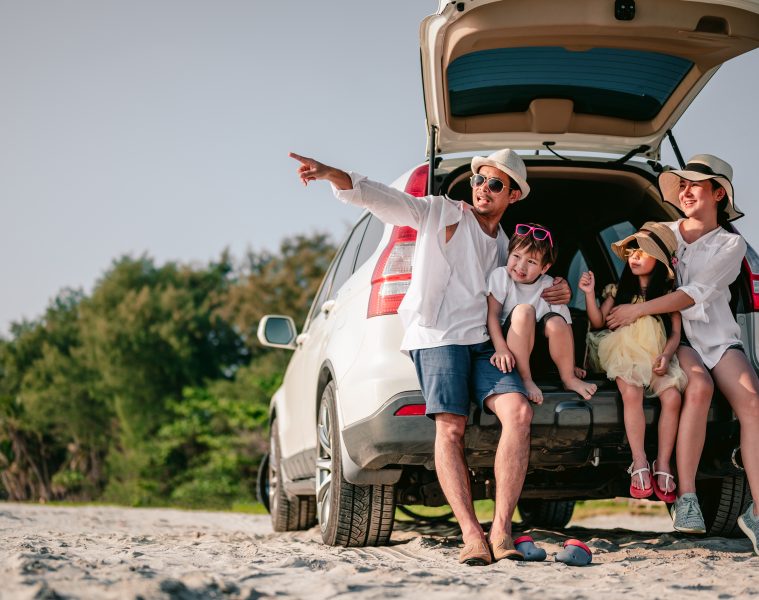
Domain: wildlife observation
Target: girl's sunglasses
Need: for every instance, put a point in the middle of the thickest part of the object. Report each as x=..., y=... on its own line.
x=495, y=185
x=637, y=252
x=538, y=233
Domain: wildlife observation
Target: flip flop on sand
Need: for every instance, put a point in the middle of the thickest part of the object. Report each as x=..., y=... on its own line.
x=575, y=554
x=476, y=554
x=526, y=545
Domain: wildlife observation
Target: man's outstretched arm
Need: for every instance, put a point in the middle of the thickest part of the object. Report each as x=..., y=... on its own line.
x=311, y=170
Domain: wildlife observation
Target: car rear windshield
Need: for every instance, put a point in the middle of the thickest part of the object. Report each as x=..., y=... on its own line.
x=612, y=82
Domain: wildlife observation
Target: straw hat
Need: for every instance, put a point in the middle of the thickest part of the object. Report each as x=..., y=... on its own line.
x=655, y=239
x=700, y=168
x=510, y=163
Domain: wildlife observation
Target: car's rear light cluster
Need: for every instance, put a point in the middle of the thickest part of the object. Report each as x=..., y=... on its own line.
x=392, y=275
x=753, y=274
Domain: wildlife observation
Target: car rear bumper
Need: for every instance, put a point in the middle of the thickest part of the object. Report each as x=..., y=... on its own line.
x=566, y=432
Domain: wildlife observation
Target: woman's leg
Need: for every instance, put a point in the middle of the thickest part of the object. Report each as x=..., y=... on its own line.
x=668, y=421
x=691, y=432
x=635, y=426
x=520, y=339
x=737, y=380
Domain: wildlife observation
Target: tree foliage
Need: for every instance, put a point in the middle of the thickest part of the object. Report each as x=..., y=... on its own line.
x=151, y=389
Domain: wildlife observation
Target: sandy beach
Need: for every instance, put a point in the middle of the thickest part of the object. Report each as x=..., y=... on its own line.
x=110, y=552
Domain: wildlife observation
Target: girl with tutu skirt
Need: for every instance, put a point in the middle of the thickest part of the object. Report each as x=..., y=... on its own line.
x=641, y=356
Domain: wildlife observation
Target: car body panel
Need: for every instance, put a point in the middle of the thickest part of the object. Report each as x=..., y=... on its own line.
x=705, y=34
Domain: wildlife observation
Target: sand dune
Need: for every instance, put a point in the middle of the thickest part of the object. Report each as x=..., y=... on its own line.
x=109, y=552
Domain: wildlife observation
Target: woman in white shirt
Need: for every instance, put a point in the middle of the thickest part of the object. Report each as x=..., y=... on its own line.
x=708, y=260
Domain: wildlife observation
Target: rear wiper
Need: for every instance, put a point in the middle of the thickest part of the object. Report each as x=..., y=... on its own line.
x=552, y=151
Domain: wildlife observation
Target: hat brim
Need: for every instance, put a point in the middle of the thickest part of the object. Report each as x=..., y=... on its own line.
x=646, y=244
x=481, y=161
x=669, y=185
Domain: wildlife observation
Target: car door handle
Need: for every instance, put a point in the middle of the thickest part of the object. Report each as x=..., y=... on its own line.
x=301, y=339
x=328, y=306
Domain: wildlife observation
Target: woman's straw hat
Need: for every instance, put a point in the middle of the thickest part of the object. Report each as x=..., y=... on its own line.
x=700, y=168
x=655, y=239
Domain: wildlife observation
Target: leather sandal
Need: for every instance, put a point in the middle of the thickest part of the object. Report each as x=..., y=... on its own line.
x=661, y=493
x=640, y=492
x=476, y=554
x=504, y=548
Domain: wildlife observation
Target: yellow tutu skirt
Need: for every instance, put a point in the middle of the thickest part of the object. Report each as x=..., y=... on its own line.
x=629, y=353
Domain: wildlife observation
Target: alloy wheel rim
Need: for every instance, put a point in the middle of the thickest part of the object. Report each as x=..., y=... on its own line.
x=324, y=466
x=273, y=478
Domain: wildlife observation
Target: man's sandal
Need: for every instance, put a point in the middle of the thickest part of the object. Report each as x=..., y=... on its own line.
x=662, y=494
x=640, y=492
x=476, y=554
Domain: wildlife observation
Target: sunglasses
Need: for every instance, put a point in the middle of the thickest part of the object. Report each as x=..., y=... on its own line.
x=630, y=252
x=495, y=185
x=538, y=233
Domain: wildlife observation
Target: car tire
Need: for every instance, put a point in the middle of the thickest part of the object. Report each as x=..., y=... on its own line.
x=553, y=514
x=287, y=514
x=349, y=514
x=262, y=482
x=722, y=502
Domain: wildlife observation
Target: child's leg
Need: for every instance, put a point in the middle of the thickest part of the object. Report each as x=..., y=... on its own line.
x=669, y=420
x=561, y=346
x=635, y=426
x=520, y=340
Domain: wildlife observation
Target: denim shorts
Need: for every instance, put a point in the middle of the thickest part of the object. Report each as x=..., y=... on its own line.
x=453, y=376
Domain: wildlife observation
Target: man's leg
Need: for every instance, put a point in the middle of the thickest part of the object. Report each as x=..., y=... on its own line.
x=515, y=414
x=453, y=475
x=561, y=346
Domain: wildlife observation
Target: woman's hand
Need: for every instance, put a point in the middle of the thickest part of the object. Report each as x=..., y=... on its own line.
x=503, y=360
x=622, y=315
x=558, y=293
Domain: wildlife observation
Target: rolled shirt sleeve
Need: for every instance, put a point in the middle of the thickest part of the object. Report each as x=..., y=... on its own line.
x=709, y=283
x=387, y=203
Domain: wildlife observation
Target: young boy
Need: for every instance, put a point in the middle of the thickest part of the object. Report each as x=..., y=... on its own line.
x=515, y=307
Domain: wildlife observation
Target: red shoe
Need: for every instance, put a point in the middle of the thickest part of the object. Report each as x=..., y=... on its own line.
x=662, y=494
x=641, y=492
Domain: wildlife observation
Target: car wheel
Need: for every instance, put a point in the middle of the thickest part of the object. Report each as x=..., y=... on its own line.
x=287, y=514
x=349, y=514
x=546, y=513
x=722, y=502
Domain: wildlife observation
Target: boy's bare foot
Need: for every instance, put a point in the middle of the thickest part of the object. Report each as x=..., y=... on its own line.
x=533, y=392
x=585, y=389
x=580, y=373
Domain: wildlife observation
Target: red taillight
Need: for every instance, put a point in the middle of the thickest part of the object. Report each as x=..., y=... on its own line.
x=411, y=410
x=754, y=283
x=392, y=275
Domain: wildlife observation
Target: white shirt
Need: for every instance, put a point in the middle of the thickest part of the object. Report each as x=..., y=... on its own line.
x=510, y=293
x=446, y=302
x=705, y=269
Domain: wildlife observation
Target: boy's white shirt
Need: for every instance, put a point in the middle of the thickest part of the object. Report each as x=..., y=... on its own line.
x=510, y=293
x=446, y=302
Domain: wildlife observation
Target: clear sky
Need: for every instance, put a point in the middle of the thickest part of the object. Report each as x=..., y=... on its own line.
x=163, y=128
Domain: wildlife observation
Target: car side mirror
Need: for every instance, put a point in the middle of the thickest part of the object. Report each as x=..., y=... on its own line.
x=277, y=331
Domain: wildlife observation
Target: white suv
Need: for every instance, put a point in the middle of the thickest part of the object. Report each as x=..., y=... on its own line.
x=349, y=439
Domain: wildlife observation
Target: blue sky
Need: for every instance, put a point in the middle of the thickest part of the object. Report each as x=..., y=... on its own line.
x=163, y=128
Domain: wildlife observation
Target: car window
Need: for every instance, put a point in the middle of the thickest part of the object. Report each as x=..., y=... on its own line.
x=611, y=82
x=348, y=257
x=372, y=238
x=614, y=233
x=576, y=268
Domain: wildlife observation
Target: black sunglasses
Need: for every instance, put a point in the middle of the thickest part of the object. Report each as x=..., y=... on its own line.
x=495, y=185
